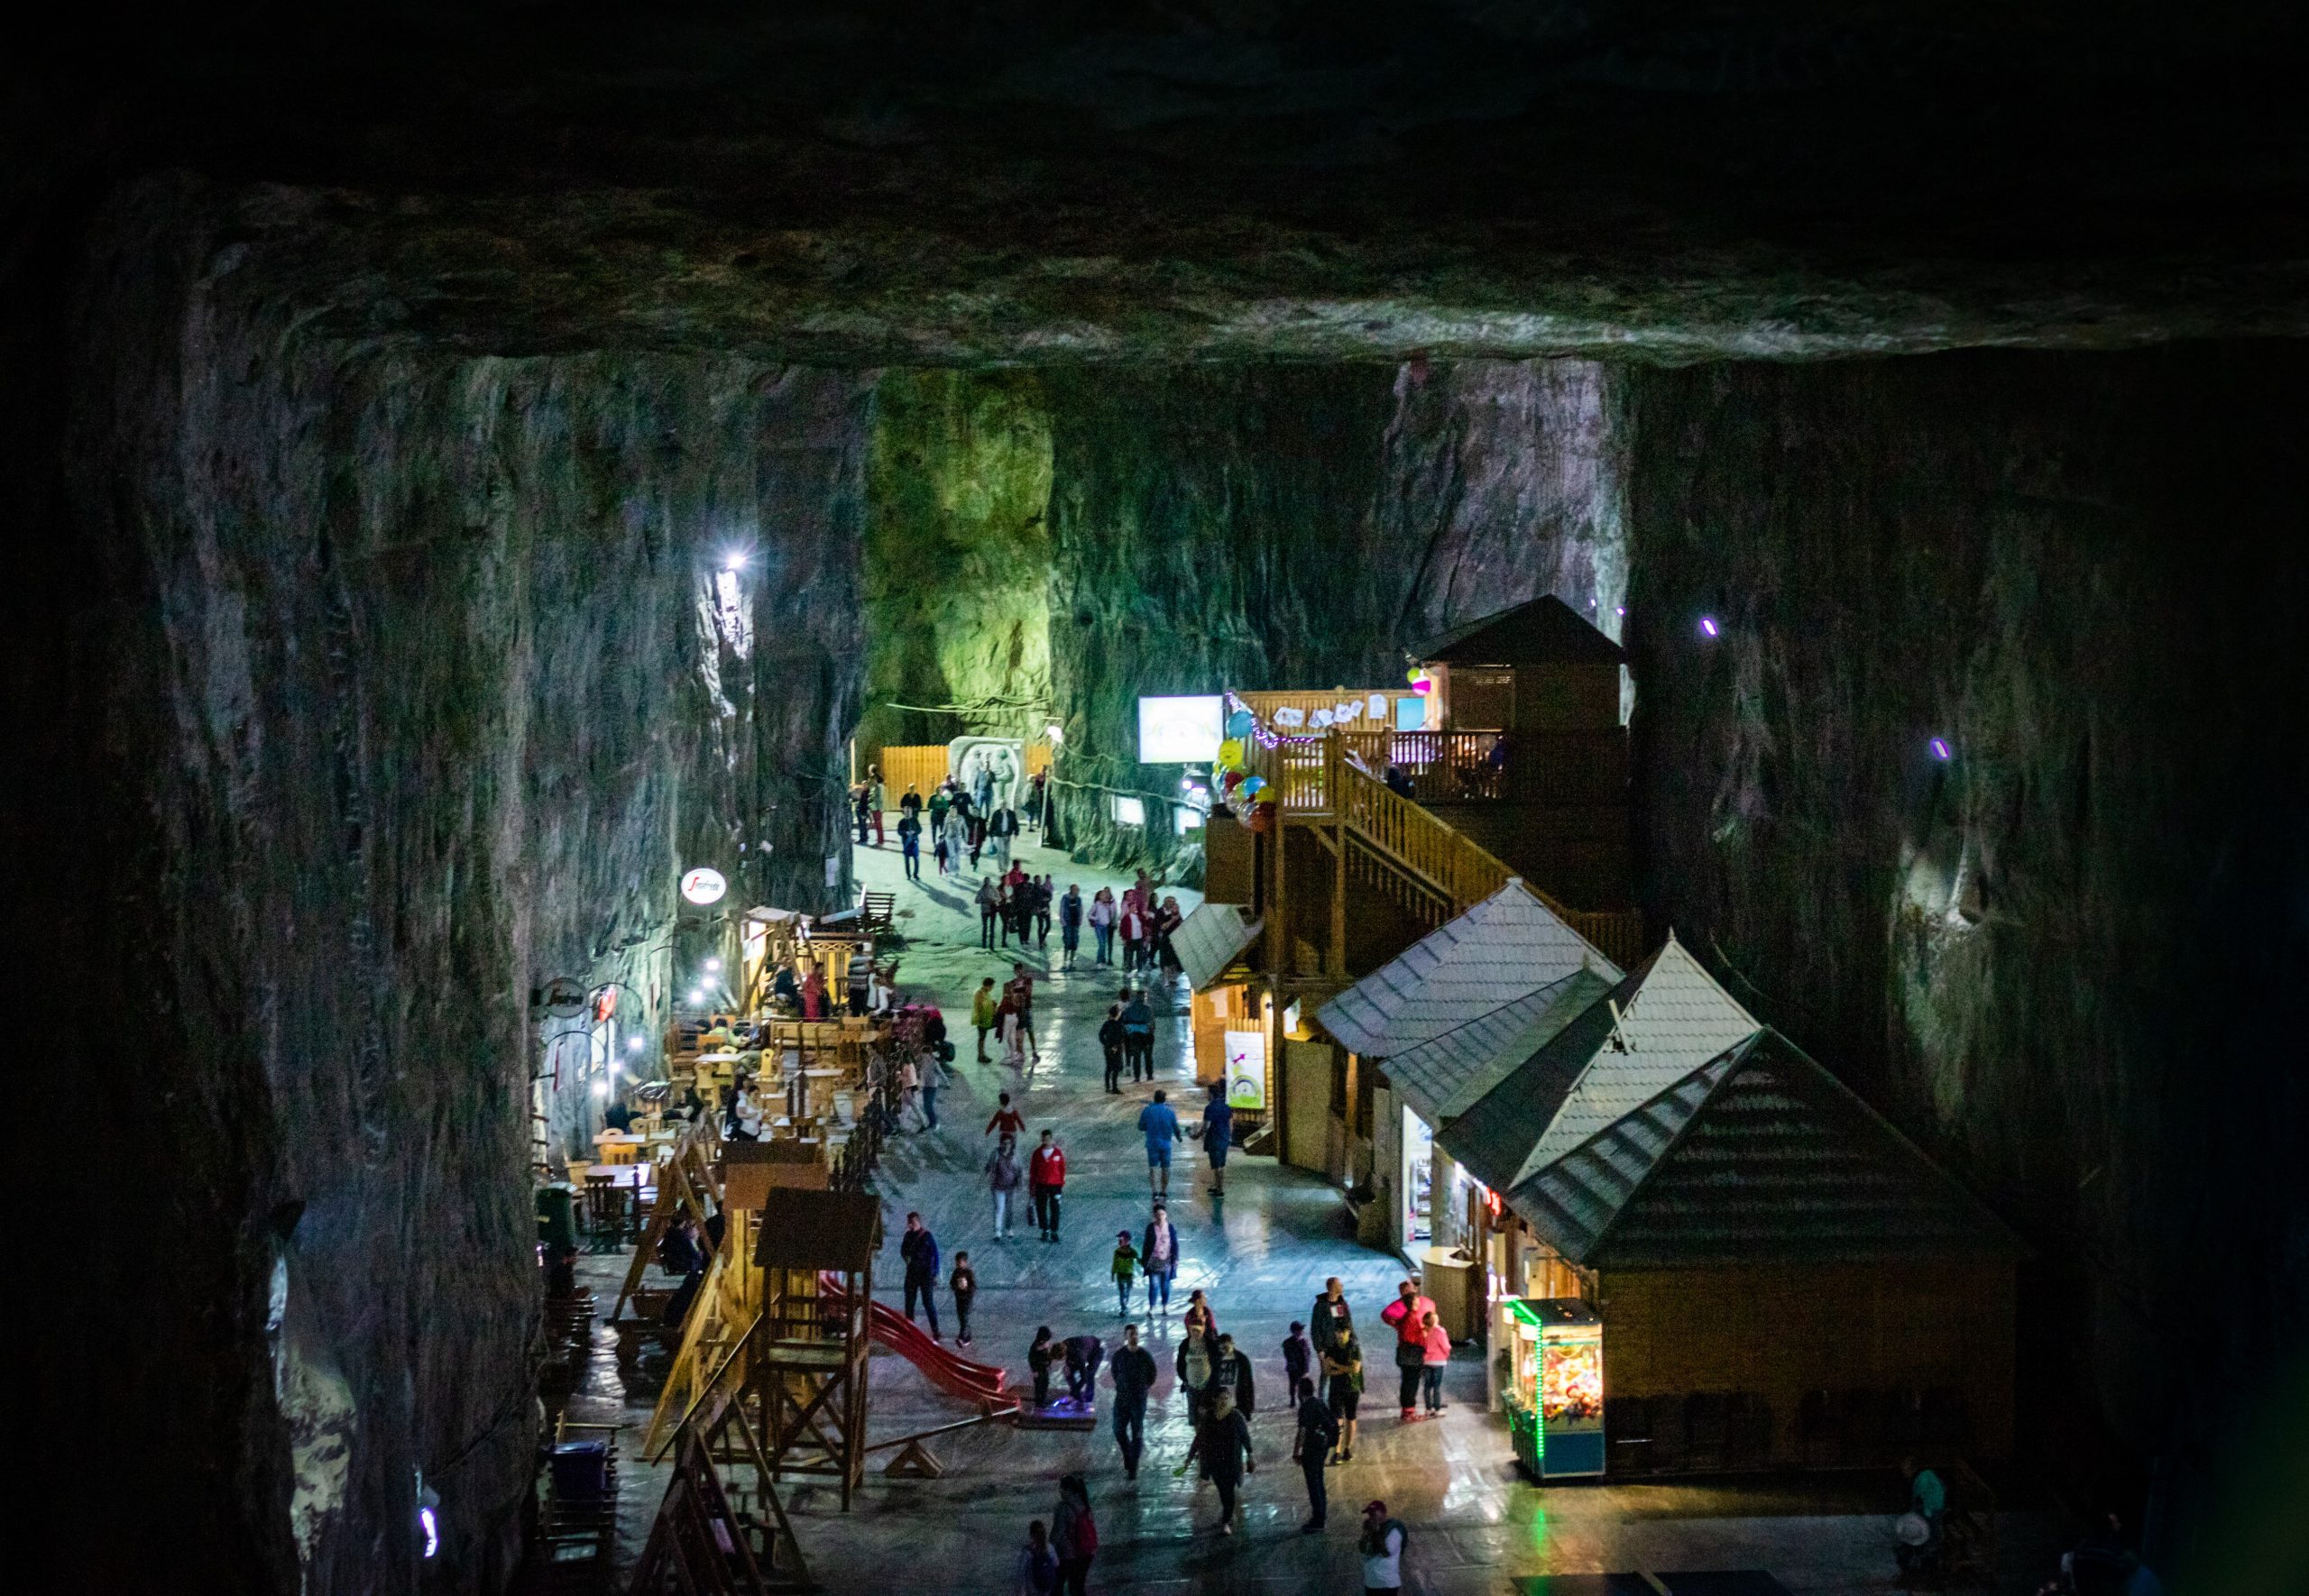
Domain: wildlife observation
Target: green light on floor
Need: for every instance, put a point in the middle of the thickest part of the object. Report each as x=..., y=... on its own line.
x=1539, y=1527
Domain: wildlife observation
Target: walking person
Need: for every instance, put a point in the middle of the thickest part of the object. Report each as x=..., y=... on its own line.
x=1110, y=1044
x=1007, y=1027
x=1435, y=1342
x=910, y=843
x=1125, y=1271
x=1299, y=1362
x=1317, y=1432
x=934, y=1076
x=989, y=909
x=1070, y=925
x=956, y=830
x=1038, y=791
x=1133, y=924
x=1074, y=1535
x=1231, y=1371
x=1191, y=1366
x=858, y=810
x=875, y=797
x=1382, y=1545
x=1022, y=982
x=912, y=803
x=975, y=819
x=1134, y=1377
x=1224, y=1443
x=1001, y=829
x=919, y=1249
x=1037, y=1564
x=1002, y=1178
x=1158, y=1255
x=1139, y=1036
x=1006, y=1120
x=963, y=1284
x=1217, y=1132
x=1046, y=1182
x=1342, y=1366
x=1101, y=915
x=1159, y=1123
x=1330, y=1318
x=1160, y=925
x=1406, y=1317
x=1042, y=897
x=982, y=1003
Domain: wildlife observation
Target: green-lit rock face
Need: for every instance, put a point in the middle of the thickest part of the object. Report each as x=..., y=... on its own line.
x=957, y=557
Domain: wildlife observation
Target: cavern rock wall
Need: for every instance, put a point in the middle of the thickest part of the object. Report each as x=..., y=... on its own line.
x=2071, y=955
x=399, y=685
x=1293, y=526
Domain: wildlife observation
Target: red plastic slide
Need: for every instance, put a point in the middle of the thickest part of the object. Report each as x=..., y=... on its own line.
x=979, y=1384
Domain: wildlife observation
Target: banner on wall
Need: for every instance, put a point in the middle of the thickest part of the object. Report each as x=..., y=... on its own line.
x=1247, y=1069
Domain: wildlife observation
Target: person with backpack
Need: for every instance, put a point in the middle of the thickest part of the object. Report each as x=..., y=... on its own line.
x=1310, y=1449
x=1074, y=1535
x=1138, y=1044
x=1342, y=1363
x=1381, y=1547
x=963, y=1284
x=1132, y=1373
x=1110, y=1044
x=919, y=1249
x=1037, y=1564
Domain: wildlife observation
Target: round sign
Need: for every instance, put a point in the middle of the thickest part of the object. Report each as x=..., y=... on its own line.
x=703, y=885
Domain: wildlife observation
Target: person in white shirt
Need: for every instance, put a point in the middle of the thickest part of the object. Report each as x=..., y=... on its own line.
x=1381, y=1547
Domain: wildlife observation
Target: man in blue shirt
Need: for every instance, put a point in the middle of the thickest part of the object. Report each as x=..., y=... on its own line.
x=1159, y=1123
x=1139, y=1036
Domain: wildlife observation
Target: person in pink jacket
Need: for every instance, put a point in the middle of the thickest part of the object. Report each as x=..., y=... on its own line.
x=1438, y=1341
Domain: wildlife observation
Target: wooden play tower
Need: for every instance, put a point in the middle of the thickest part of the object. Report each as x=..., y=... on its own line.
x=805, y=1368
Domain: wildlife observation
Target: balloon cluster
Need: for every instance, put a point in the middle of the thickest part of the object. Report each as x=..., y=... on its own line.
x=1231, y=774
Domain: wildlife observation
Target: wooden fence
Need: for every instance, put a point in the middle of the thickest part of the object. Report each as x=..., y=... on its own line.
x=923, y=764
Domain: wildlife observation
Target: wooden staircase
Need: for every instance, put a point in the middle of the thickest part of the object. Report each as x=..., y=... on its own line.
x=1403, y=852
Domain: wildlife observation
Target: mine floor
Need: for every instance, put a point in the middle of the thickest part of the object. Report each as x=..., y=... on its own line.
x=1475, y=1525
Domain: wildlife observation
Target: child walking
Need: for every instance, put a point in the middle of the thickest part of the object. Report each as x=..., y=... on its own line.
x=1125, y=1270
x=963, y=1284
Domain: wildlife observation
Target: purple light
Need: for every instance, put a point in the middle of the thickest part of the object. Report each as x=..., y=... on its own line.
x=1707, y=624
x=1940, y=749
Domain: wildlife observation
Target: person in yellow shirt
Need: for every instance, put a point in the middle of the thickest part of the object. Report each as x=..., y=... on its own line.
x=982, y=1005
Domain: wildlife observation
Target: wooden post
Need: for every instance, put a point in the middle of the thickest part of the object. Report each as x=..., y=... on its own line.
x=1335, y=792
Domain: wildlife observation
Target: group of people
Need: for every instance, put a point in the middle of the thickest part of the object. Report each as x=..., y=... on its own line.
x=1020, y=906
x=1007, y=1015
x=962, y=819
x=1143, y=926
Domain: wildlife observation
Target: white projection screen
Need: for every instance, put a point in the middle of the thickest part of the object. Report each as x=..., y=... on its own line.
x=1180, y=730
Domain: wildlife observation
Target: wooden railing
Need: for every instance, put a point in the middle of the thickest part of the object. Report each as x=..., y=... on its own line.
x=1497, y=766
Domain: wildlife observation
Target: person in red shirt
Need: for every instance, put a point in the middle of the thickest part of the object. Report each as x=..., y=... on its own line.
x=1020, y=993
x=1045, y=1179
x=1406, y=1315
x=1006, y=1119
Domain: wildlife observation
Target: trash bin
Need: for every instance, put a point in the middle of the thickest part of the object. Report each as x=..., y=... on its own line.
x=1455, y=1284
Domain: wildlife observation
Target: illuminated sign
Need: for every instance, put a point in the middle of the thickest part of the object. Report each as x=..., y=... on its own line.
x=1247, y=1069
x=702, y=885
x=1129, y=810
x=1181, y=730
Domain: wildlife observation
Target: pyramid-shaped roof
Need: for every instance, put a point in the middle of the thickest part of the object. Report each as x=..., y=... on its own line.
x=1504, y=948
x=1757, y=1153
x=1673, y=1018
x=1544, y=632
x=1448, y=1073
x=1493, y=1136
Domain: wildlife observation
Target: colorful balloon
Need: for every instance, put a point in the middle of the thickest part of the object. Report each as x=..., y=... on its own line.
x=1254, y=786
x=1239, y=723
x=1230, y=753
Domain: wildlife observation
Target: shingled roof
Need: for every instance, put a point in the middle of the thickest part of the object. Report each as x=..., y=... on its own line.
x=1211, y=939
x=1449, y=1073
x=1673, y=1019
x=1757, y=1153
x=1502, y=950
x=1493, y=1136
x=1544, y=632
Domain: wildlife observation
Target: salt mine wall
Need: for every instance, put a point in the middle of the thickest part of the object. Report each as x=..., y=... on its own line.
x=398, y=684
x=2068, y=956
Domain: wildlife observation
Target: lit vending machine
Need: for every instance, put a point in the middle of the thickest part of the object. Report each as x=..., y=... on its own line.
x=1555, y=1402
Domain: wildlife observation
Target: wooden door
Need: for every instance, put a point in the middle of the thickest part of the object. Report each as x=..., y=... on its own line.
x=1307, y=1099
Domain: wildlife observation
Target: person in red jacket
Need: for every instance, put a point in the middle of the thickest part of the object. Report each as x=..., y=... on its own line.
x=1045, y=1179
x=1406, y=1315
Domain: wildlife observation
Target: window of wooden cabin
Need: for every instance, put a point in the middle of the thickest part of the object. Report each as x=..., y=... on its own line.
x=1482, y=700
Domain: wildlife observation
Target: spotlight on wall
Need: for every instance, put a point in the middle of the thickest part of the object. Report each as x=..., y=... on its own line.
x=713, y=967
x=632, y=1044
x=734, y=562
x=1941, y=750
x=1709, y=627
x=601, y=1088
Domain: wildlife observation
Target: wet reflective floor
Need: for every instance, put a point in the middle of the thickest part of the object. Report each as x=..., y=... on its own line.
x=1261, y=1254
